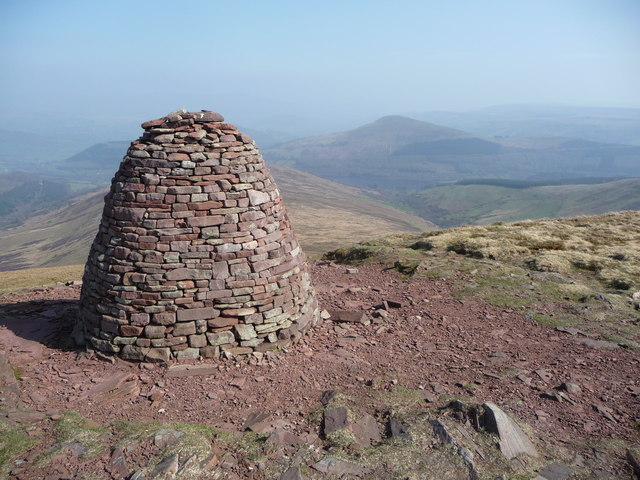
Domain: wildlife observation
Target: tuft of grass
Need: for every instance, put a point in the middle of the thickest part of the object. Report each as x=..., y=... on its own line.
x=341, y=438
x=17, y=372
x=14, y=441
x=75, y=429
x=548, y=320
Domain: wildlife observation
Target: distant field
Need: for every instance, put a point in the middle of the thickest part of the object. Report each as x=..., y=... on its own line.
x=460, y=204
x=35, y=277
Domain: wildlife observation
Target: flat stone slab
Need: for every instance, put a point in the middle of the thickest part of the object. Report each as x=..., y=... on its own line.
x=179, y=371
x=114, y=389
x=589, y=342
x=513, y=441
x=335, y=466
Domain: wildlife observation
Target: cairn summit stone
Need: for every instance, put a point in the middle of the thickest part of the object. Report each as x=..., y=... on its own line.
x=195, y=252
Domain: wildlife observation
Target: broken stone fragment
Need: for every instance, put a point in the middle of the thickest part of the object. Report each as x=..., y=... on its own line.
x=291, y=473
x=117, y=464
x=165, y=438
x=571, y=387
x=554, y=471
x=282, y=438
x=341, y=428
x=335, y=419
x=258, y=422
x=168, y=466
x=441, y=431
x=347, y=316
x=512, y=440
x=335, y=466
x=634, y=461
x=606, y=412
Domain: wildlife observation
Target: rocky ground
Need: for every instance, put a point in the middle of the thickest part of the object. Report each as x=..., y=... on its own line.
x=403, y=381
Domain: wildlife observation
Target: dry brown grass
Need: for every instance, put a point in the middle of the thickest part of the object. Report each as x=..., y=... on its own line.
x=36, y=277
x=608, y=245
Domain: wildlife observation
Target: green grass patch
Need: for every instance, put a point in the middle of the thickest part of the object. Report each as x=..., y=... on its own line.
x=79, y=433
x=548, y=320
x=14, y=441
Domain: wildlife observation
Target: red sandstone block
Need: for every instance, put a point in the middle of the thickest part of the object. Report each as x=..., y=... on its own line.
x=187, y=214
x=133, y=187
x=241, y=284
x=188, y=274
x=214, y=294
x=206, y=313
x=206, y=221
x=130, y=330
x=164, y=318
x=143, y=303
x=180, y=207
x=183, y=300
x=184, y=189
x=109, y=324
x=238, y=312
x=265, y=264
x=203, y=205
x=178, y=157
x=150, y=296
x=222, y=323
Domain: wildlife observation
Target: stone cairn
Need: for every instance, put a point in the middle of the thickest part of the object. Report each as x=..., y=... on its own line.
x=195, y=255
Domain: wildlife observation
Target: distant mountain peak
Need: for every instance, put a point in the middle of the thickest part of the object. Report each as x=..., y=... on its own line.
x=410, y=128
x=395, y=118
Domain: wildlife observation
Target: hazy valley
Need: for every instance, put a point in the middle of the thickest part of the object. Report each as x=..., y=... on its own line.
x=405, y=175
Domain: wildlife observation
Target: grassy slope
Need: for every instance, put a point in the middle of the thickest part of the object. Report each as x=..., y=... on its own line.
x=582, y=272
x=482, y=204
x=325, y=214
x=59, y=237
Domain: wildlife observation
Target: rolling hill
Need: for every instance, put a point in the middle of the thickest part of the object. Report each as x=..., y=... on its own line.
x=401, y=153
x=325, y=214
x=481, y=203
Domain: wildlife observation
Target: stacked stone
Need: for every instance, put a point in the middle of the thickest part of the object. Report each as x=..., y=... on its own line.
x=195, y=255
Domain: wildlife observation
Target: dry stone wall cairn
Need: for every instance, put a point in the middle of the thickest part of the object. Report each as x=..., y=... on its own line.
x=195, y=255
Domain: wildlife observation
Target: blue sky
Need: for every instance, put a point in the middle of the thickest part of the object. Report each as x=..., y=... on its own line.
x=350, y=60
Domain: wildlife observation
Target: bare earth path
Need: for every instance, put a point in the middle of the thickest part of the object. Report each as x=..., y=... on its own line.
x=432, y=343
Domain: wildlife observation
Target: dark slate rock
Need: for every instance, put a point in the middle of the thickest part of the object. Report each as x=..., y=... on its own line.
x=291, y=473
x=555, y=471
x=398, y=430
